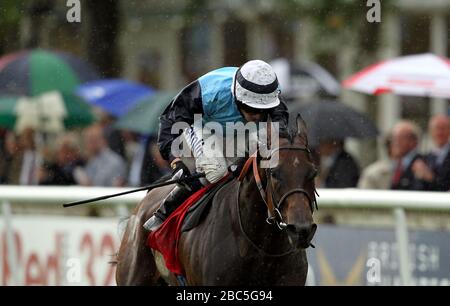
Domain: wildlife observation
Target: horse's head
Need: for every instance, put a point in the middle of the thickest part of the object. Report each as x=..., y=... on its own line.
x=290, y=187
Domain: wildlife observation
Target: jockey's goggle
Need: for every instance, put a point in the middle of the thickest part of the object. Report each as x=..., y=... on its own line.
x=251, y=110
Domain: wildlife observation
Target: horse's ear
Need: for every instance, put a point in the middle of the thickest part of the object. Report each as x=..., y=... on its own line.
x=301, y=126
x=302, y=131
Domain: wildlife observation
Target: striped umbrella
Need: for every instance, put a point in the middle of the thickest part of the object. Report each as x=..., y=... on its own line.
x=424, y=75
x=33, y=72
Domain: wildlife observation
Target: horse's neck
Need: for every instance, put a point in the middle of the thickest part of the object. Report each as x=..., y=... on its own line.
x=253, y=213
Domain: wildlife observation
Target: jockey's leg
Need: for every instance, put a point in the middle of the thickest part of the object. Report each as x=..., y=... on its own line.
x=181, y=191
x=175, y=198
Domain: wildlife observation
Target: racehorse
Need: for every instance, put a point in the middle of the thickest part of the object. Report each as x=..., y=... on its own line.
x=255, y=233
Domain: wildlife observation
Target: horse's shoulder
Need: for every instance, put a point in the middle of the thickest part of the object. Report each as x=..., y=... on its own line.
x=152, y=200
x=231, y=187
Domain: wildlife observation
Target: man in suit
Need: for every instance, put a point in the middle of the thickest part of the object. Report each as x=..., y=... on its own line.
x=437, y=170
x=378, y=174
x=405, y=138
x=339, y=168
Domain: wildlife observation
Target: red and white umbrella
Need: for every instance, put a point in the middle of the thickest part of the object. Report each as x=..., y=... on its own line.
x=413, y=75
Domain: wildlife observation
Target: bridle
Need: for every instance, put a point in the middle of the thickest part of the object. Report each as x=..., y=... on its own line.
x=274, y=210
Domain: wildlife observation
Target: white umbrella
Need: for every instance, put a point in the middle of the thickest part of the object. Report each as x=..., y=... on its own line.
x=425, y=75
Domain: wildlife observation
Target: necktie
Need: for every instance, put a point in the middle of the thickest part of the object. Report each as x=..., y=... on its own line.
x=397, y=173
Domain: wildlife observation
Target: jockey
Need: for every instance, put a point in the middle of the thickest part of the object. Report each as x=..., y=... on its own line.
x=229, y=94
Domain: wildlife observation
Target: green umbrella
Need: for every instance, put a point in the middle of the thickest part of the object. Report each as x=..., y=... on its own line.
x=34, y=72
x=49, y=112
x=144, y=117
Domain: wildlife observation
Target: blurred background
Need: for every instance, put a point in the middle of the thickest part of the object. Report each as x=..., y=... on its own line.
x=80, y=97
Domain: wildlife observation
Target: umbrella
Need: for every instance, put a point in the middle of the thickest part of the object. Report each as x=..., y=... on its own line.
x=49, y=112
x=414, y=75
x=31, y=73
x=115, y=96
x=332, y=120
x=144, y=117
x=4, y=60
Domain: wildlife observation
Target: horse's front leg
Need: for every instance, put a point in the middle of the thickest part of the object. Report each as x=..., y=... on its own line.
x=135, y=263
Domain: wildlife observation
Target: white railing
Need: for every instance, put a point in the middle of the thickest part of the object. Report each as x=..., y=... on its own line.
x=397, y=201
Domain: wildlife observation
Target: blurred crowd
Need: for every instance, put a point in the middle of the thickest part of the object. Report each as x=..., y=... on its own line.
x=405, y=168
x=100, y=155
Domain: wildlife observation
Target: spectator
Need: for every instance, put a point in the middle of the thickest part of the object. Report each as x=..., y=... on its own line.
x=4, y=163
x=61, y=171
x=378, y=175
x=11, y=160
x=405, y=138
x=104, y=167
x=134, y=175
x=154, y=166
x=147, y=165
x=339, y=169
x=30, y=158
x=438, y=161
x=113, y=137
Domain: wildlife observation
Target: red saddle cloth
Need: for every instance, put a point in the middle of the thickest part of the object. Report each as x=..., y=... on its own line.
x=165, y=238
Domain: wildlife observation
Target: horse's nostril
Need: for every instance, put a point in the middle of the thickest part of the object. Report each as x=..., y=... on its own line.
x=291, y=228
x=304, y=233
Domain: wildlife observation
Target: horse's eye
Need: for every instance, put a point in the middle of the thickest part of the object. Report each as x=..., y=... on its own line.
x=275, y=174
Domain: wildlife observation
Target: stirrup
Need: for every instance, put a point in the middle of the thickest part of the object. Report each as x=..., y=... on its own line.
x=153, y=223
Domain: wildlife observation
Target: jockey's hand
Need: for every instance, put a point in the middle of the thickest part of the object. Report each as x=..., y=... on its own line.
x=179, y=169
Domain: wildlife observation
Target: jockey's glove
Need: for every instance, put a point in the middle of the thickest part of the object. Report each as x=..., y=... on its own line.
x=179, y=171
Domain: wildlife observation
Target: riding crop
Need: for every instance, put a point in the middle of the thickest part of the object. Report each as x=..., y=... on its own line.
x=175, y=181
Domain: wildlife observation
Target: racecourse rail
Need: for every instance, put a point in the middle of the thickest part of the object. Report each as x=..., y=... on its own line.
x=397, y=201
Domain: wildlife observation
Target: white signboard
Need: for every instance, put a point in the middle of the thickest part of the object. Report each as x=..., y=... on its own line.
x=52, y=250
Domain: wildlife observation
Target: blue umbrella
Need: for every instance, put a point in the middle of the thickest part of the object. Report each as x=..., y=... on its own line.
x=114, y=96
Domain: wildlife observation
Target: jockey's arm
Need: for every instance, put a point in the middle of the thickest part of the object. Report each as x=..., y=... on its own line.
x=182, y=109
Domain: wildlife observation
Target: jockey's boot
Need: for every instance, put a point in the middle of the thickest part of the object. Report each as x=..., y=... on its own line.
x=174, y=199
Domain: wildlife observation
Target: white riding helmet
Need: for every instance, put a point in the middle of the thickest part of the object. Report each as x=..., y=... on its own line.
x=255, y=84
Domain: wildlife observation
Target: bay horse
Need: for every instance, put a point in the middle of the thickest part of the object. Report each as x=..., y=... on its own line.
x=237, y=243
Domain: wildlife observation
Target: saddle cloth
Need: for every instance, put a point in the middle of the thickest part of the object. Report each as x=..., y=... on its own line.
x=185, y=217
